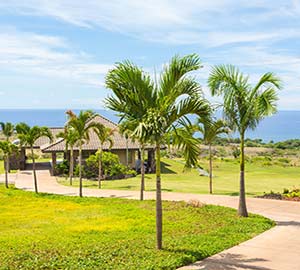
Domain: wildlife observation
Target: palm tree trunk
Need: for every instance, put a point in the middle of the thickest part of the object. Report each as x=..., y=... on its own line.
x=127, y=156
x=210, y=170
x=242, y=211
x=6, y=171
x=158, y=200
x=80, y=169
x=142, y=173
x=34, y=172
x=71, y=170
x=8, y=165
x=100, y=168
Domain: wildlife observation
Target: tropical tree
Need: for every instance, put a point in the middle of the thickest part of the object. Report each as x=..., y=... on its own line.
x=7, y=130
x=210, y=129
x=28, y=136
x=104, y=134
x=244, y=107
x=82, y=124
x=156, y=106
x=70, y=136
x=7, y=148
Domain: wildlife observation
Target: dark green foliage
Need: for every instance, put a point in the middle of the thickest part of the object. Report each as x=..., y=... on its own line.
x=112, y=168
x=236, y=152
x=62, y=168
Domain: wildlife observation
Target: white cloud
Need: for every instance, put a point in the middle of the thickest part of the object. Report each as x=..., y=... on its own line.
x=49, y=56
x=210, y=23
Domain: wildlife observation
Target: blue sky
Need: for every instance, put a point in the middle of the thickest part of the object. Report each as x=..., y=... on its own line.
x=55, y=54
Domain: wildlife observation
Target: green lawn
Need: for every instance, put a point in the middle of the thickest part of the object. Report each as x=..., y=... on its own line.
x=259, y=178
x=2, y=167
x=56, y=232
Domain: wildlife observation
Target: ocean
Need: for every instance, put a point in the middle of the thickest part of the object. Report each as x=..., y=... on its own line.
x=282, y=126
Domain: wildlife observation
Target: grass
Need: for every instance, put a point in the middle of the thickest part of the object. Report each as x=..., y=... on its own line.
x=2, y=167
x=259, y=178
x=56, y=232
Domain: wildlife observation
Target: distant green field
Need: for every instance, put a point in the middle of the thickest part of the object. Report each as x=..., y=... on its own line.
x=260, y=177
x=56, y=232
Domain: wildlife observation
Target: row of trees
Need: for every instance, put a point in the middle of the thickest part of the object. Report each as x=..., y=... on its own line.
x=152, y=108
x=76, y=133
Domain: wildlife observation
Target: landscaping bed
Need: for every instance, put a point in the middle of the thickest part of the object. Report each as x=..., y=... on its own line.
x=287, y=195
x=56, y=232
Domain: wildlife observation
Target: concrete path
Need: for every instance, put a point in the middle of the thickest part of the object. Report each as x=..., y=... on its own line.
x=276, y=249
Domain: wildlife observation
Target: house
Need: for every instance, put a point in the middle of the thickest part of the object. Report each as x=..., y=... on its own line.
x=126, y=149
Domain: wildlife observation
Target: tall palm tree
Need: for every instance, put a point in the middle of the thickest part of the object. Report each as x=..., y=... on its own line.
x=104, y=134
x=28, y=136
x=244, y=107
x=70, y=136
x=82, y=124
x=156, y=106
x=210, y=129
x=7, y=148
x=7, y=130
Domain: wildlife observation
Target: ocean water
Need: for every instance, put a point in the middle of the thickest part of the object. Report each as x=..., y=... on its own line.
x=282, y=126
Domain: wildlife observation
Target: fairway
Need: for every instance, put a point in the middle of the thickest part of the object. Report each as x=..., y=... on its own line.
x=56, y=232
x=259, y=178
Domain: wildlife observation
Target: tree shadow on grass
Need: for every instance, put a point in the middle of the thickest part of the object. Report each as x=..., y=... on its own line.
x=163, y=189
x=237, y=193
x=225, y=261
x=165, y=169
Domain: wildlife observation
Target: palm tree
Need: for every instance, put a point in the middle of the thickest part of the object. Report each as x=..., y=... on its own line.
x=156, y=106
x=210, y=129
x=7, y=148
x=82, y=124
x=7, y=130
x=71, y=138
x=28, y=136
x=244, y=107
x=104, y=135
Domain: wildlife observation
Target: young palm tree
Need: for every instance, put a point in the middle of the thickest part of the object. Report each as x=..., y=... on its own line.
x=244, y=106
x=104, y=135
x=7, y=148
x=157, y=106
x=82, y=124
x=28, y=136
x=7, y=130
x=71, y=138
x=210, y=129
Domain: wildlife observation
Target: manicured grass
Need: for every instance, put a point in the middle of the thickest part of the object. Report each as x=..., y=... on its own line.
x=56, y=232
x=2, y=167
x=259, y=178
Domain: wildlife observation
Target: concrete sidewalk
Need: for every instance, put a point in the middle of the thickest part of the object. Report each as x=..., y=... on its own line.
x=276, y=249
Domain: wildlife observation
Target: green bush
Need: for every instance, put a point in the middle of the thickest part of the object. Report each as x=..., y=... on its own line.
x=63, y=167
x=236, y=152
x=111, y=166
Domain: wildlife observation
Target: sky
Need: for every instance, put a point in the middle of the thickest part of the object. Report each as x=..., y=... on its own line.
x=55, y=54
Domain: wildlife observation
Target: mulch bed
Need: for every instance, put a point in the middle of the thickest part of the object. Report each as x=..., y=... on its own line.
x=278, y=196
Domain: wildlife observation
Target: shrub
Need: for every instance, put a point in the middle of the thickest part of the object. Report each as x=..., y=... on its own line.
x=236, y=152
x=63, y=167
x=111, y=166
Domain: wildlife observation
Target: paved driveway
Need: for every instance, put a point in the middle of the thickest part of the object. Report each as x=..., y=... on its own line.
x=276, y=249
